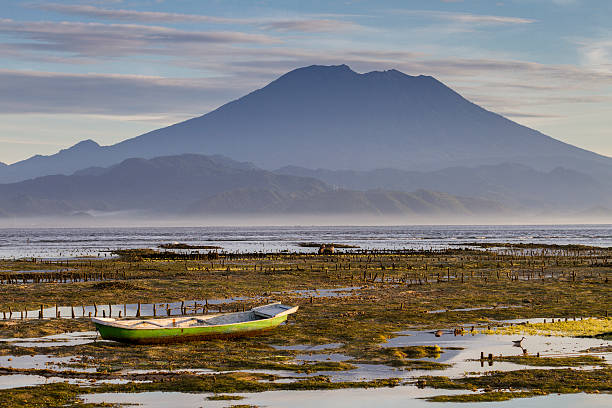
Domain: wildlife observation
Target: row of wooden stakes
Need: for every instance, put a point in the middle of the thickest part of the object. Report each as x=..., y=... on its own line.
x=165, y=309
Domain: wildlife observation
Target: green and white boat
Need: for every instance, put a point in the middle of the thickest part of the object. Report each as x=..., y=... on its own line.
x=190, y=328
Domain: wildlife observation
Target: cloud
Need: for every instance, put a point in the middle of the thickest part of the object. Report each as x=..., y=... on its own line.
x=565, y=2
x=468, y=18
x=536, y=100
x=524, y=84
x=597, y=54
x=28, y=142
x=118, y=95
x=311, y=25
x=135, y=15
x=301, y=24
x=483, y=19
x=461, y=67
x=520, y=115
x=91, y=39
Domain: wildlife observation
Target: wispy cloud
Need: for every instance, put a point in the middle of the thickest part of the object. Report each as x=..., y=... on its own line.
x=116, y=39
x=597, y=53
x=303, y=24
x=133, y=95
x=311, y=25
x=29, y=142
x=468, y=17
x=483, y=19
x=135, y=15
x=520, y=115
x=463, y=67
x=103, y=94
x=565, y=2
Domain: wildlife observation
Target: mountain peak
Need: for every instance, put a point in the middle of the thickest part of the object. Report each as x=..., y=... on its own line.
x=316, y=71
x=344, y=82
x=388, y=72
x=344, y=69
x=321, y=68
x=84, y=144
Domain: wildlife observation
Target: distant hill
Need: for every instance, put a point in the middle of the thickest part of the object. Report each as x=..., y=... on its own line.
x=346, y=202
x=514, y=184
x=162, y=184
x=332, y=117
x=199, y=185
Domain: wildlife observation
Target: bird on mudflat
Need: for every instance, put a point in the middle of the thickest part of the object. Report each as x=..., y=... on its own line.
x=518, y=343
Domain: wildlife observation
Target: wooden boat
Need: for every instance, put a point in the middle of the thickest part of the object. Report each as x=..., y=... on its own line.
x=189, y=328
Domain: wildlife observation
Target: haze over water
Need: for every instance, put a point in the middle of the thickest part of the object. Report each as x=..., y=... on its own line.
x=75, y=242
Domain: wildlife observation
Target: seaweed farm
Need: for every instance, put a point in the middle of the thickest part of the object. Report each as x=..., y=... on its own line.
x=517, y=325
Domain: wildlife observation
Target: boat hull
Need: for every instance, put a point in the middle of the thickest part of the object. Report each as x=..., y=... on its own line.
x=178, y=334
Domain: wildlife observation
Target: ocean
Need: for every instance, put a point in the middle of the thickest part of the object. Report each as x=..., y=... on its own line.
x=58, y=243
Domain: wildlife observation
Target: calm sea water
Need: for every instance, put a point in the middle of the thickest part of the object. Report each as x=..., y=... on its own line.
x=74, y=242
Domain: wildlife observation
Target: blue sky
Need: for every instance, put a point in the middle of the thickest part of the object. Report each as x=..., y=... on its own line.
x=110, y=70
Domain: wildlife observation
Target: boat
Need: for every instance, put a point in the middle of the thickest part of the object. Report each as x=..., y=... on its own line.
x=191, y=328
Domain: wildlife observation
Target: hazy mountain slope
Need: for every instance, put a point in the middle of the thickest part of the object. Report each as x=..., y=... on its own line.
x=193, y=184
x=23, y=205
x=165, y=184
x=346, y=202
x=83, y=154
x=391, y=202
x=512, y=183
x=332, y=117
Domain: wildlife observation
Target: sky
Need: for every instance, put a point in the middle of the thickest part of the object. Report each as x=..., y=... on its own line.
x=111, y=70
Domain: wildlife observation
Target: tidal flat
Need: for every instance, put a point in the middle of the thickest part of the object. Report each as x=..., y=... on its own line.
x=442, y=321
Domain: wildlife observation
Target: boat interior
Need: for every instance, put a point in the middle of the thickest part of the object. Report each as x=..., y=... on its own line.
x=257, y=313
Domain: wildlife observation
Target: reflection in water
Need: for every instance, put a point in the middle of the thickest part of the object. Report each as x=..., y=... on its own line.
x=403, y=396
x=64, y=339
x=465, y=351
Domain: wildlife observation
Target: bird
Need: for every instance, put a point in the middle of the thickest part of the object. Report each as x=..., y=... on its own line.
x=518, y=343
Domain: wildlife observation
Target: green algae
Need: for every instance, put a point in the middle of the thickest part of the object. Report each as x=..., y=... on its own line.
x=535, y=361
x=588, y=327
x=67, y=395
x=405, y=357
x=362, y=320
x=224, y=397
x=494, y=396
x=45, y=396
x=561, y=381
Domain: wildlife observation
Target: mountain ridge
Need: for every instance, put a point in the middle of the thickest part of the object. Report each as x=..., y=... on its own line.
x=513, y=183
x=198, y=185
